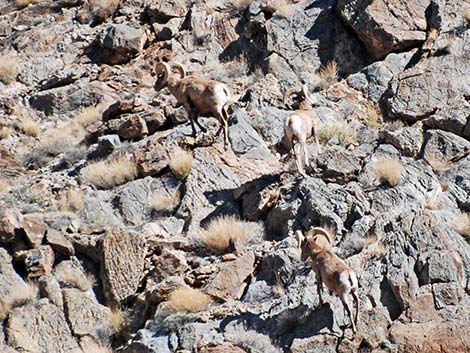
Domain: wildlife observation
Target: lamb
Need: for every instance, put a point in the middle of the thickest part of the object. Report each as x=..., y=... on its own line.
x=299, y=126
x=329, y=268
x=197, y=95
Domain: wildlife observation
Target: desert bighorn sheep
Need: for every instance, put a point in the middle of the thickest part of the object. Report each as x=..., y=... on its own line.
x=198, y=95
x=299, y=126
x=329, y=268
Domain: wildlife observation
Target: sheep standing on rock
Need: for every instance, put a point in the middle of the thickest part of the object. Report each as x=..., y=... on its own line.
x=329, y=268
x=197, y=95
x=299, y=126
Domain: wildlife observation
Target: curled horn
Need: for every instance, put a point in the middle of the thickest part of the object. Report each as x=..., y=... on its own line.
x=180, y=69
x=163, y=68
x=299, y=237
x=323, y=232
x=288, y=94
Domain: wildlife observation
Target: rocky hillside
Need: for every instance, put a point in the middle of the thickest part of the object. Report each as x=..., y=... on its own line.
x=122, y=232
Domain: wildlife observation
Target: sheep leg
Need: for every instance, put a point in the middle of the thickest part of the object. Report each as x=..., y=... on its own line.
x=344, y=299
x=319, y=285
x=304, y=148
x=356, y=302
x=298, y=158
x=225, y=118
x=315, y=136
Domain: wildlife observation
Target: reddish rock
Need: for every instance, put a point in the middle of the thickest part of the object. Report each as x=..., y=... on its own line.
x=229, y=282
x=10, y=220
x=38, y=261
x=34, y=230
x=59, y=242
x=132, y=127
x=151, y=159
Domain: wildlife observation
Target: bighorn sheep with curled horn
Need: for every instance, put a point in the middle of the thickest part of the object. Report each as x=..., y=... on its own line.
x=299, y=126
x=198, y=95
x=329, y=268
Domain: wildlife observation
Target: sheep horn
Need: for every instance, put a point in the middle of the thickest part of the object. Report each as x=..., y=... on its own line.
x=180, y=69
x=323, y=232
x=306, y=94
x=288, y=94
x=299, y=237
x=163, y=68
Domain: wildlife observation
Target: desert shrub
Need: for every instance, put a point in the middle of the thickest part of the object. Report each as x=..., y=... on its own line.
x=341, y=130
x=75, y=278
x=5, y=132
x=164, y=203
x=29, y=126
x=181, y=163
x=222, y=231
x=462, y=225
x=72, y=200
x=388, y=171
x=8, y=69
x=109, y=173
x=328, y=75
x=189, y=300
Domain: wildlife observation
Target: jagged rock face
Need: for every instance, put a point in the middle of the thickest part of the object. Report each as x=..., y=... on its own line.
x=386, y=26
x=122, y=250
x=83, y=267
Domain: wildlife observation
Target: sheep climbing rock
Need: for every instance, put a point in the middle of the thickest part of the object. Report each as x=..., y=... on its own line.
x=123, y=260
x=299, y=126
x=329, y=268
x=198, y=95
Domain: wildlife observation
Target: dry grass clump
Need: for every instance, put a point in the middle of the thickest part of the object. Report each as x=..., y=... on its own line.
x=466, y=15
x=29, y=126
x=23, y=3
x=328, y=75
x=388, y=171
x=4, y=185
x=164, y=203
x=89, y=115
x=72, y=200
x=341, y=130
x=18, y=295
x=5, y=132
x=181, y=163
x=373, y=117
x=118, y=320
x=462, y=224
x=189, y=300
x=283, y=8
x=76, y=278
x=433, y=34
x=8, y=69
x=223, y=231
x=109, y=173
x=444, y=185
x=241, y=4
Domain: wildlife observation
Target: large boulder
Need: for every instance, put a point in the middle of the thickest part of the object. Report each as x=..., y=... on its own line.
x=119, y=43
x=386, y=26
x=41, y=328
x=122, y=264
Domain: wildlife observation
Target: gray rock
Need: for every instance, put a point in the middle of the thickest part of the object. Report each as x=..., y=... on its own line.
x=122, y=264
x=65, y=100
x=40, y=327
x=10, y=223
x=199, y=335
x=120, y=43
x=86, y=316
x=452, y=118
x=446, y=294
x=229, y=281
x=136, y=197
x=38, y=261
x=13, y=291
x=437, y=267
x=34, y=229
x=99, y=210
x=337, y=163
x=49, y=288
x=385, y=27
x=426, y=88
x=407, y=140
x=444, y=146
